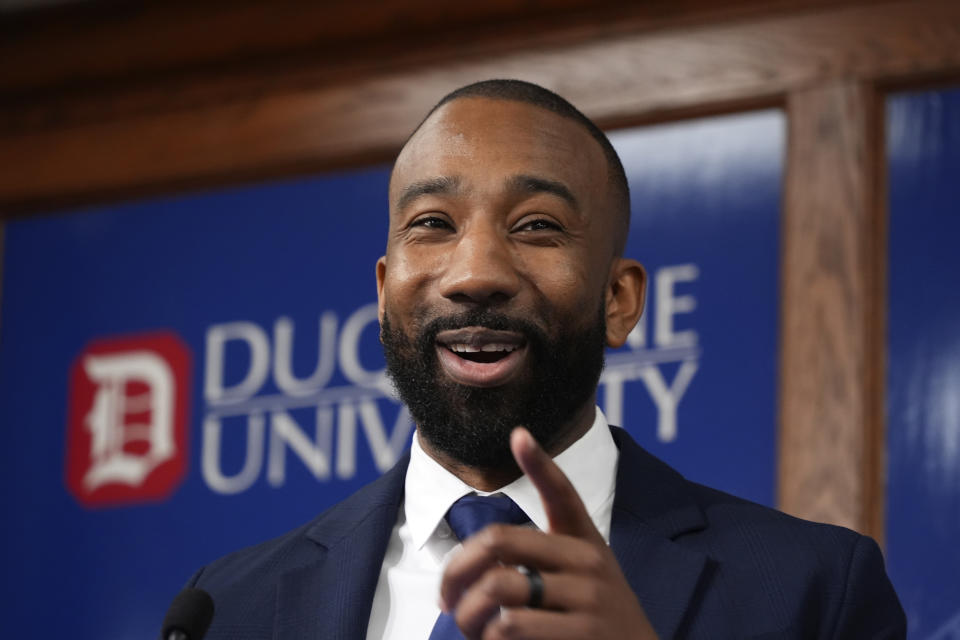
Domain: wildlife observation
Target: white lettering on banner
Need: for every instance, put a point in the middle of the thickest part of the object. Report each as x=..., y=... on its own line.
x=385, y=451
x=668, y=399
x=669, y=305
x=347, y=441
x=315, y=455
x=235, y=412
x=259, y=346
x=283, y=360
x=284, y=433
x=253, y=460
x=240, y=416
x=111, y=417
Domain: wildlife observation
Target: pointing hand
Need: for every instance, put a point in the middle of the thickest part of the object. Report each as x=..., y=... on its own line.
x=585, y=594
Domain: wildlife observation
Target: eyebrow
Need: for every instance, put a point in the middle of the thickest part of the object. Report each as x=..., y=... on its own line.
x=523, y=183
x=532, y=184
x=439, y=185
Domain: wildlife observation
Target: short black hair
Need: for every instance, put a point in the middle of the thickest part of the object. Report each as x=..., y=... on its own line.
x=530, y=93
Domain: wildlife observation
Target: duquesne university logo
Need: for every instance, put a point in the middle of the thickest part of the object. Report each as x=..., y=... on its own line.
x=127, y=421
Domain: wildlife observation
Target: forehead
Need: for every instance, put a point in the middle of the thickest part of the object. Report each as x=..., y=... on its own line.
x=484, y=142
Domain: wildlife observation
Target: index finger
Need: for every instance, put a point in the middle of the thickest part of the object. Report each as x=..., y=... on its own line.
x=565, y=510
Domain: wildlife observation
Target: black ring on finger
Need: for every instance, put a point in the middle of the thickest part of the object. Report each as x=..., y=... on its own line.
x=536, y=588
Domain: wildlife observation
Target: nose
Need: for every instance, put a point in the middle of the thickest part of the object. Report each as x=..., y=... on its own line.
x=480, y=268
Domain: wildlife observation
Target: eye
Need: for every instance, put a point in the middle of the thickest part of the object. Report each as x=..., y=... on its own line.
x=431, y=222
x=539, y=224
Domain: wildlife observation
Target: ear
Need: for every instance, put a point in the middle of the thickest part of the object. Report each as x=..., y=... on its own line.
x=625, y=296
x=381, y=277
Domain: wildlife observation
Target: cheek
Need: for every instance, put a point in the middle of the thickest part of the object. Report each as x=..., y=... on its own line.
x=565, y=283
x=406, y=281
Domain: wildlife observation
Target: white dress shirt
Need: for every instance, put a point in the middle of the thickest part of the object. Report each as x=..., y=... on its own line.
x=405, y=603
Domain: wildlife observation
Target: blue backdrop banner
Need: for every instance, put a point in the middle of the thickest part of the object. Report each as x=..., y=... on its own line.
x=188, y=375
x=923, y=405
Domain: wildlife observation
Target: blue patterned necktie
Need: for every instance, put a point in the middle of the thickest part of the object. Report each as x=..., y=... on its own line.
x=468, y=515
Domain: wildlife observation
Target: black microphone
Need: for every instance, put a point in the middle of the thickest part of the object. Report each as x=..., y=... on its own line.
x=189, y=615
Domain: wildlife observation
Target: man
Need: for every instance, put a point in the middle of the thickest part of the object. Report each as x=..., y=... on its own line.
x=502, y=283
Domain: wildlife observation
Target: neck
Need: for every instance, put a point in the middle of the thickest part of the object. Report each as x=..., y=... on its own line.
x=487, y=479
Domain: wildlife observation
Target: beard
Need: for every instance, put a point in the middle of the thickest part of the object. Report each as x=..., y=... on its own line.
x=472, y=425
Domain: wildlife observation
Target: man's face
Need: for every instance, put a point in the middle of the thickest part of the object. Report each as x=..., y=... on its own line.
x=493, y=289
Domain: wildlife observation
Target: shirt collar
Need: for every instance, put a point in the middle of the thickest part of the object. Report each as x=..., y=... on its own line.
x=590, y=463
x=429, y=490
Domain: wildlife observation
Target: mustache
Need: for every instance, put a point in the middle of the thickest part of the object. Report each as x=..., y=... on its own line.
x=485, y=318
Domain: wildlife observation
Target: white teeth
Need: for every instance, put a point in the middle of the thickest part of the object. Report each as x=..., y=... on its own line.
x=464, y=348
x=469, y=348
x=498, y=347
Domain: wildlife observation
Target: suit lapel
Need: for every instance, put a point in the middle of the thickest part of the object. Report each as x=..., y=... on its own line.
x=651, y=508
x=332, y=597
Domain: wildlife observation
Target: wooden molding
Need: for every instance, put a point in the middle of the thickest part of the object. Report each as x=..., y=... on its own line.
x=204, y=130
x=116, y=41
x=831, y=319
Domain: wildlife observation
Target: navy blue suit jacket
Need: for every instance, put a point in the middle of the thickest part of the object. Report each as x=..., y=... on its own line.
x=703, y=564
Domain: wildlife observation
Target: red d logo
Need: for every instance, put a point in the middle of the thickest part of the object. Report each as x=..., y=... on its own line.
x=127, y=419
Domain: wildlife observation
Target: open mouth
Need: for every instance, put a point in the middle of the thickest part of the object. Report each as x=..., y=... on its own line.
x=481, y=357
x=486, y=353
